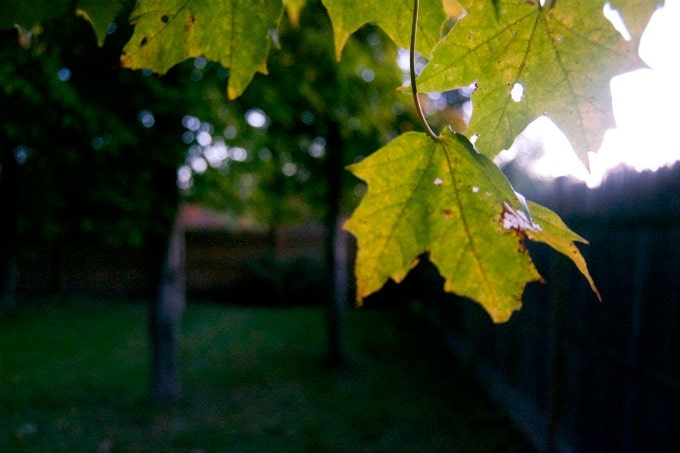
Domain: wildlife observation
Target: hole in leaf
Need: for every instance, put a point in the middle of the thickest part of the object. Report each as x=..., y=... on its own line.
x=143, y=43
x=165, y=18
x=517, y=92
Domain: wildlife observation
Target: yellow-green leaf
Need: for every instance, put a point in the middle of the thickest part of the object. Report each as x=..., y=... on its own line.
x=563, y=57
x=293, y=8
x=234, y=33
x=557, y=235
x=636, y=14
x=394, y=17
x=446, y=199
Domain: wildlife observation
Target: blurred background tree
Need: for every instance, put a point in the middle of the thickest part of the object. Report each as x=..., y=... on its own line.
x=88, y=149
x=275, y=168
x=93, y=152
x=277, y=154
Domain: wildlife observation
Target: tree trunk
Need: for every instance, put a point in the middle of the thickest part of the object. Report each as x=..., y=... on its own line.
x=166, y=321
x=337, y=304
x=336, y=252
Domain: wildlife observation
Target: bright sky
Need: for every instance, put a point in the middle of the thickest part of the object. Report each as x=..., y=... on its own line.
x=645, y=102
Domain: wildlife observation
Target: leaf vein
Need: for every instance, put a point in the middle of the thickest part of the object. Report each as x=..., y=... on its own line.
x=466, y=227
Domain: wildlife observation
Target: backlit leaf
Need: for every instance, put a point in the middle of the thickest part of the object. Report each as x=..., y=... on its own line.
x=445, y=199
x=636, y=13
x=563, y=57
x=557, y=235
x=234, y=33
x=394, y=17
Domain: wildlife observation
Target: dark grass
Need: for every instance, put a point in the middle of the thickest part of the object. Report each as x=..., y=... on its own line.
x=255, y=379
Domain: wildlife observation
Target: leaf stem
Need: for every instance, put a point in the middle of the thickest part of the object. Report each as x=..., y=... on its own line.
x=414, y=89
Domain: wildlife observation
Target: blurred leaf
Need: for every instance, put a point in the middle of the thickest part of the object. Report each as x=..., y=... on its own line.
x=293, y=8
x=234, y=33
x=29, y=13
x=564, y=58
x=394, y=17
x=100, y=14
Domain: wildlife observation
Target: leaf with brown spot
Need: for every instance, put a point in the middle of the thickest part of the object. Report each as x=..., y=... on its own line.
x=444, y=198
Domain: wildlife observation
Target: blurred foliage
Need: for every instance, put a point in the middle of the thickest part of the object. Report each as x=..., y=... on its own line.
x=94, y=147
x=307, y=97
x=86, y=165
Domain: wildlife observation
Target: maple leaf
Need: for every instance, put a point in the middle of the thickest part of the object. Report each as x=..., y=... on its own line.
x=100, y=14
x=557, y=235
x=394, y=17
x=636, y=14
x=445, y=199
x=563, y=57
x=29, y=13
x=234, y=33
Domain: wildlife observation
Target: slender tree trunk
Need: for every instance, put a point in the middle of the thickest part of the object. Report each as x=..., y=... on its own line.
x=166, y=321
x=337, y=308
x=336, y=252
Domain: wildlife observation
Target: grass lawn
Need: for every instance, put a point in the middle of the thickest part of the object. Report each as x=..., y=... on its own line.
x=74, y=375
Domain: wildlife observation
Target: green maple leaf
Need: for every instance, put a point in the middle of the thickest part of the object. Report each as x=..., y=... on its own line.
x=394, y=17
x=564, y=57
x=234, y=33
x=444, y=198
x=29, y=13
x=100, y=14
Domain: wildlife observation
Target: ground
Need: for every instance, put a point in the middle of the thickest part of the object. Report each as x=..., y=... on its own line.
x=74, y=376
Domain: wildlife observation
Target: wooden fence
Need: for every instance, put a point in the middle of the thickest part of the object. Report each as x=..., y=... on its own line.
x=220, y=264
x=574, y=373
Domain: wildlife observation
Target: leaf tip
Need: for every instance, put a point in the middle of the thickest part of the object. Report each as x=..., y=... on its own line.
x=233, y=93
